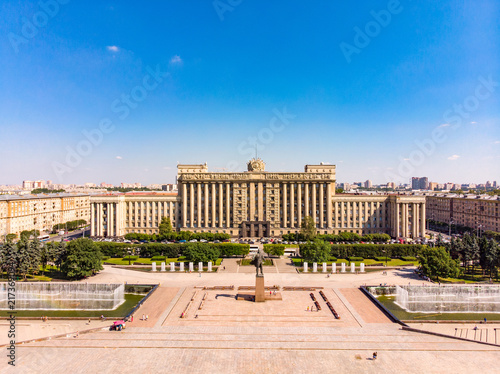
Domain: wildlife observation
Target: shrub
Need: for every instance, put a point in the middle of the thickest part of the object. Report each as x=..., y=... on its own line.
x=374, y=250
x=158, y=258
x=131, y=258
x=382, y=258
x=332, y=259
x=352, y=259
x=274, y=249
x=408, y=258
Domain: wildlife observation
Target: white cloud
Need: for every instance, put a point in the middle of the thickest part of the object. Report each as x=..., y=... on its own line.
x=119, y=157
x=406, y=159
x=176, y=60
x=473, y=123
x=112, y=48
x=444, y=125
x=496, y=142
x=454, y=157
x=167, y=167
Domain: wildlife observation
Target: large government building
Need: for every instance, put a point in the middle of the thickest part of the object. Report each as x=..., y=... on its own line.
x=257, y=203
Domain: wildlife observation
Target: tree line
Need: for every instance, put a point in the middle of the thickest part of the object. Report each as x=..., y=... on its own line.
x=75, y=260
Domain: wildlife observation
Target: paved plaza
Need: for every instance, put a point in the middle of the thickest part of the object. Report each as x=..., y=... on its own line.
x=195, y=326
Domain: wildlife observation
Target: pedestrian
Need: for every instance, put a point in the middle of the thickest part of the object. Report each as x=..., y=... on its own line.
x=143, y=317
x=308, y=309
x=374, y=355
x=147, y=317
x=89, y=322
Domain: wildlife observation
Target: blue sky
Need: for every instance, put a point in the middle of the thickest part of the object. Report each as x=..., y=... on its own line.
x=385, y=90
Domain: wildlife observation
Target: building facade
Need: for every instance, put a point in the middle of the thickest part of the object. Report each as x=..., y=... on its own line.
x=41, y=212
x=257, y=203
x=479, y=212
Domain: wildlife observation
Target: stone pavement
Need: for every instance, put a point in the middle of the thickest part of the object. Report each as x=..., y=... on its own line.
x=219, y=334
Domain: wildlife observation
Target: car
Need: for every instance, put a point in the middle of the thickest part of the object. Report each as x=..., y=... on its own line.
x=216, y=241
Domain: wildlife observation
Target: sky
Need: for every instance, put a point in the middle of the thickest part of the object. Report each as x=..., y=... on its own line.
x=123, y=91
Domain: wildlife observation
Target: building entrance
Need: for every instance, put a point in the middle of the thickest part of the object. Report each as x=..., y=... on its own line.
x=255, y=229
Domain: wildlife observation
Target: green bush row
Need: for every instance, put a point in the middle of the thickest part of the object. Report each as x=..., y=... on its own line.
x=408, y=258
x=382, y=258
x=131, y=258
x=356, y=258
x=375, y=250
x=274, y=249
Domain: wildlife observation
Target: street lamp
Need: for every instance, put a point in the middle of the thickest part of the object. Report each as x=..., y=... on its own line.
x=449, y=227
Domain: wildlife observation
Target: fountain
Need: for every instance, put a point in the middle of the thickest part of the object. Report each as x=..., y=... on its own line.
x=162, y=266
x=324, y=267
x=362, y=267
x=449, y=299
x=181, y=266
x=342, y=267
x=191, y=267
x=64, y=296
x=200, y=266
x=353, y=267
x=334, y=268
x=153, y=266
x=305, y=267
x=172, y=266
x=315, y=267
x=209, y=266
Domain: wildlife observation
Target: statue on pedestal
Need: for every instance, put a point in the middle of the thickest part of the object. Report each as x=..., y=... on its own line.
x=258, y=261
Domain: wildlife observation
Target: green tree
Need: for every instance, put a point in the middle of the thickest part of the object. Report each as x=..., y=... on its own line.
x=10, y=237
x=165, y=226
x=317, y=251
x=82, y=259
x=339, y=190
x=308, y=228
x=23, y=258
x=29, y=234
x=436, y=262
x=201, y=252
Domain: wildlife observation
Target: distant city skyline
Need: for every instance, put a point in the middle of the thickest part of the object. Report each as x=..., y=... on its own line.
x=115, y=92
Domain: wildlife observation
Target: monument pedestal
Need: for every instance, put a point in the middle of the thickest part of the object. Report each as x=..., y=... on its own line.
x=260, y=293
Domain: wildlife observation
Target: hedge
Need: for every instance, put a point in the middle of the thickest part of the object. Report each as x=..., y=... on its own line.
x=375, y=250
x=382, y=258
x=274, y=249
x=352, y=259
x=409, y=258
x=131, y=258
x=117, y=250
x=158, y=258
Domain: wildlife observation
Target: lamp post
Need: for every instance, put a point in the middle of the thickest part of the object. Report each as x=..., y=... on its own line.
x=449, y=227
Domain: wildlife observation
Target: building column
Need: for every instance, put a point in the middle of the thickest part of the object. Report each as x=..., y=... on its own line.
x=251, y=193
x=292, y=205
x=260, y=203
x=299, y=204
x=396, y=221
x=184, y=205
x=422, y=219
x=306, y=199
x=110, y=219
x=285, y=200
x=321, y=205
x=228, y=206
x=191, y=205
x=328, y=205
x=101, y=221
x=206, y=204
x=313, y=203
x=92, y=219
x=212, y=195
x=198, y=205
x=221, y=197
